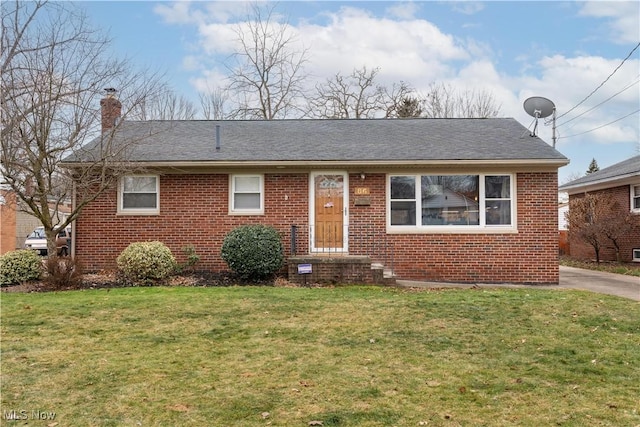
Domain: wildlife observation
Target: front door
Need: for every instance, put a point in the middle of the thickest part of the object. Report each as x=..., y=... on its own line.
x=329, y=213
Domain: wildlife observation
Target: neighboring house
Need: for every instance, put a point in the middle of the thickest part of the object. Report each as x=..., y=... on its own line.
x=460, y=200
x=7, y=221
x=16, y=224
x=622, y=181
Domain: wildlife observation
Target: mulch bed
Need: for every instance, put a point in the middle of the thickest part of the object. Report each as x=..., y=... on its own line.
x=109, y=280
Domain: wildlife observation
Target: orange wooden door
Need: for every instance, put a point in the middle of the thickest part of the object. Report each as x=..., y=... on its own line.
x=329, y=212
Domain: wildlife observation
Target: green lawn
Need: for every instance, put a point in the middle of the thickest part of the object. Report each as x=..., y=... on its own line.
x=345, y=356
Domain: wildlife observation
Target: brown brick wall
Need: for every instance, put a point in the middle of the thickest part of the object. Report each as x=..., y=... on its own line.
x=582, y=250
x=530, y=256
x=8, y=222
x=194, y=211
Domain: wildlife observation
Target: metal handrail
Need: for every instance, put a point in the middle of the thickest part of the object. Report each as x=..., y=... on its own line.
x=361, y=240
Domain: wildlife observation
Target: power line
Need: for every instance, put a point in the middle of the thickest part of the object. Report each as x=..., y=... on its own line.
x=601, y=84
x=596, y=106
x=600, y=127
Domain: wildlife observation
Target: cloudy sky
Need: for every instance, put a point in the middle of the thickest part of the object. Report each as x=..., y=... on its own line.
x=583, y=56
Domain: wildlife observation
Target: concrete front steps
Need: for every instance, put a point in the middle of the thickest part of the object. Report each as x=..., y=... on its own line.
x=345, y=269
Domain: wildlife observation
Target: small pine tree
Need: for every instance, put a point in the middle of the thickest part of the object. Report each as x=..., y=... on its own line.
x=593, y=167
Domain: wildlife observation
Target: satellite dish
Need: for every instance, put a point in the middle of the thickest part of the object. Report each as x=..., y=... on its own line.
x=539, y=107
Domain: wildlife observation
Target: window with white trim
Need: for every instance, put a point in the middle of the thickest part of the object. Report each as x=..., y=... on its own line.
x=635, y=198
x=139, y=195
x=635, y=255
x=247, y=194
x=430, y=202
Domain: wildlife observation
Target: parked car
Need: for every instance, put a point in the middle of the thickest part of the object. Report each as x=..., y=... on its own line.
x=37, y=241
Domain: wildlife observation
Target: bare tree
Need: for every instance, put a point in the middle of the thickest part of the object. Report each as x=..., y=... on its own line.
x=618, y=225
x=597, y=218
x=572, y=177
x=584, y=220
x=444, y=101
x=355, y=96
x=400, y=102
x=54, y=69
x=267, y=81
x=166, y=106
x=213, y=104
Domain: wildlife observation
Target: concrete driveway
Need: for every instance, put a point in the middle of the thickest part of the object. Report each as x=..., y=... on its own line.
x=598, y=281
x=570, y=278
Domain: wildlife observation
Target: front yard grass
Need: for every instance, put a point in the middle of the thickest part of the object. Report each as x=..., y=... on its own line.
x=343, y=356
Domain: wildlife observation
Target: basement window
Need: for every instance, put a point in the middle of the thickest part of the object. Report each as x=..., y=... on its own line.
x=636, y=255
x=139, y=195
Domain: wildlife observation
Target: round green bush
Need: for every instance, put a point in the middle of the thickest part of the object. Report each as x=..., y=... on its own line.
x=146, y=263
x=19, y=266
x=253, y=251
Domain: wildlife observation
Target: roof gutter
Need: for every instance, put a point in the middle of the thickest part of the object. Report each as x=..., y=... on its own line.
x=548, y=163
x=598, y=184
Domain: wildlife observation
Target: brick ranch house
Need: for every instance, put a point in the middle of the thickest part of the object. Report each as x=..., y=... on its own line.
x=457, y=200
x=622, y=181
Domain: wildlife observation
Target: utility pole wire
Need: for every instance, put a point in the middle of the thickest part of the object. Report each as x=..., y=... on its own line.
x=596, y=106
x=600, y=127
x=601, y=84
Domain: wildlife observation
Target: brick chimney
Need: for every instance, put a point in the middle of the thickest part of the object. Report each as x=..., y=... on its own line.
x=111, y=109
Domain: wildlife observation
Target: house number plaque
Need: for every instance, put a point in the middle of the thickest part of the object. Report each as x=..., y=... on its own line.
x=361, y=191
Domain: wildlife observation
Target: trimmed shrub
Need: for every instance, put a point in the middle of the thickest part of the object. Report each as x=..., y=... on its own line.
x=146, y=263
x=19, y=266
x=253, y=251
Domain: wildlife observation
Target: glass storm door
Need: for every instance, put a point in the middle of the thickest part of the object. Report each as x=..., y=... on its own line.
x=329, y=213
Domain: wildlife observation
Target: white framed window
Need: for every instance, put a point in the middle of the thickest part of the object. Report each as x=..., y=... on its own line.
x=635, y=198
x=635, y=255
x=459, y=203
x=247, y=194
x=139, y=195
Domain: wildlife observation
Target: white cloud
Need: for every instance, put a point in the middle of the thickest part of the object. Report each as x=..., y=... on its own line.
x=625, y=18
x=567, y=81
x=209, y=80
x=403, y=10
x=178, y=12
x=418, y=52
x=467, y=7
x=411, y=49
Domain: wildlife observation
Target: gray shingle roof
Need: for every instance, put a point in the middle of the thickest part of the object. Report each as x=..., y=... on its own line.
x=332, y=140
x=612, y=173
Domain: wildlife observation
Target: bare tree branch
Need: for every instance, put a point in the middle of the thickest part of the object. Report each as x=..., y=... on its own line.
x=213, y=104
x=54, y=69
x=597, y=218
x=267, y=81
x=443, y=101
x=166, y=106
x=355, y=96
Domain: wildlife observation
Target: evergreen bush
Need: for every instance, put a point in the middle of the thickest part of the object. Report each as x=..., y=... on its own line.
x=146, y=263
x=19, y=266
x=253, y=252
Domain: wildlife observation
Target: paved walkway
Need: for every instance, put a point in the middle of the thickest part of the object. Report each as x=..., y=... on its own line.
x=570, y=278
